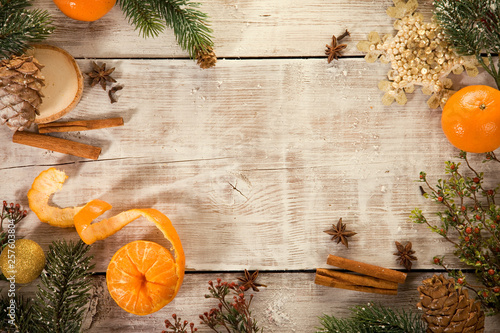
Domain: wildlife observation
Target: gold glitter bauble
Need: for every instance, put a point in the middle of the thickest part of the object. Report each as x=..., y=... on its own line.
x=23, y=260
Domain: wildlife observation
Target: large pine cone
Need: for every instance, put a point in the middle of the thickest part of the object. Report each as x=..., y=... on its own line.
x=447, y=309
x=21, y=82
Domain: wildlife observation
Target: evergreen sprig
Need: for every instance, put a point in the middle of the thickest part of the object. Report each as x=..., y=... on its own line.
x=472, y=27
x=64, y=289
x=24, y=315
x=21, y=26
x=190, y=25
x=373, y=318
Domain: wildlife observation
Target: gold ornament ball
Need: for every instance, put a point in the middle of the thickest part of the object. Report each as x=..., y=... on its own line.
x=24, y=262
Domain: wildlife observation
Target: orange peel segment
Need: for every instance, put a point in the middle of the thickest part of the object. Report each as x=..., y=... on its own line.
x=45, y=184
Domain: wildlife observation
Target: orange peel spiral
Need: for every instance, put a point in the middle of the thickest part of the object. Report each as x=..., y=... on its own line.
x=142, y=276
x=45, y=184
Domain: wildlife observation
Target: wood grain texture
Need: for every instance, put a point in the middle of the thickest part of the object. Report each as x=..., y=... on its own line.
x=290, y=303
x=251, y=160
x=242, y=29
x=257, y=158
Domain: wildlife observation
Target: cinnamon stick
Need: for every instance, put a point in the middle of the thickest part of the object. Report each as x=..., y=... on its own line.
x=367, y=269
x=79, y=125
x=359, y=280
x=332, y=282
x=56, y=144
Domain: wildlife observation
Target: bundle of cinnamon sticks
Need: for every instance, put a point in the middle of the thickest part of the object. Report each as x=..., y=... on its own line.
x=371, y=278
x=63, y=145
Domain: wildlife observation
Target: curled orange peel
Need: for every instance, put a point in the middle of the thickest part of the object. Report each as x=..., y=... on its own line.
x=91, y=232
x=151, y=287
x=45, y=184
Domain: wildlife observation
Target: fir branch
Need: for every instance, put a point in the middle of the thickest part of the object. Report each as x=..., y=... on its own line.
x=373, y=318
x=21, y=26
x=141, y=14
x=472, y=27
x=24, y=319
x=65, y=284
x=189, y=24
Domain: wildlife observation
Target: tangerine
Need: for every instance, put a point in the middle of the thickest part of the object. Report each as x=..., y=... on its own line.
x=85, y=10
x=471, y=119
x=142, y=277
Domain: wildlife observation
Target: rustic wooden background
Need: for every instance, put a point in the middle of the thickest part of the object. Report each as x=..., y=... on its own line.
x=251, y=160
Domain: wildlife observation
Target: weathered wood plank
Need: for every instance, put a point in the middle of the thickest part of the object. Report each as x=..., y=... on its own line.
x=290, y=303
x=255, y=159
x=242, y=28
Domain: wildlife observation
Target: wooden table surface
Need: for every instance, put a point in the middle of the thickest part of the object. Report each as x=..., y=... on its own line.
x=252, y=160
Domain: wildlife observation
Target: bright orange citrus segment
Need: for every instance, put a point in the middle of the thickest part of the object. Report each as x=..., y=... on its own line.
x=471, y=119
x=45, y=184
x=85, y=10
x=142, y=277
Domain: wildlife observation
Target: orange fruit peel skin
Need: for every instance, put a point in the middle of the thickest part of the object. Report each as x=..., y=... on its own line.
x=85, y=10
x=471, y=119
x=91, y=232
x=45, y=184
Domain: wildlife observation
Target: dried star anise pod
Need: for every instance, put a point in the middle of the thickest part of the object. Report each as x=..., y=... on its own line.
x=100, y=75
x=339, y=233
x=248, y=281
x=405, y=255
x=334, y=51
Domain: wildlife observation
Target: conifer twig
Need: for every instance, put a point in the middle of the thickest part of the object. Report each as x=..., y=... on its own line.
x=189, y=24
x=64, y=289
x=21, y=26
x=472, y=27
x=373, y=318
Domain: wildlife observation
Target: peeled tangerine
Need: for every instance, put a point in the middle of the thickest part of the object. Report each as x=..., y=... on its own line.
x=142, y=276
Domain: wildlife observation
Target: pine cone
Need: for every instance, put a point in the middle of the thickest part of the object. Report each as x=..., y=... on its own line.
x=21, y=82
x=447, y=309
x=206, y=58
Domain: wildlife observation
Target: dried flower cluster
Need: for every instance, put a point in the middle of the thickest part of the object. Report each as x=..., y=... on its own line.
x=232, y=314
x=419, y=56
x=12, y=213
x=471, y=222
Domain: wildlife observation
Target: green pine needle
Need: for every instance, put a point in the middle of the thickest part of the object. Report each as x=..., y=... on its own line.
x=373, y=318
x=24, y=318
x=190, y=25
x=65, y=284
x=142, y=16
x=472, y=27
x=21, y=26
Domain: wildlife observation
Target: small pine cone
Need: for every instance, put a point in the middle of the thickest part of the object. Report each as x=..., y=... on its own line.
x=206, y=58
x=21, y=82
x=449, y=310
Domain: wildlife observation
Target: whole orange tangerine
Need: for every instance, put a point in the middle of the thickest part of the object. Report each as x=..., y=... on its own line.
x=142, y=277
x=85, y=10
x=471, y=119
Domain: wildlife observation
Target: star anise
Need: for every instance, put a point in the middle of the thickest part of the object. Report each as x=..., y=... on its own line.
x=339, y=233
x=100, y=75
x=334, y=51
x=248, y=281
x=405, y=255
